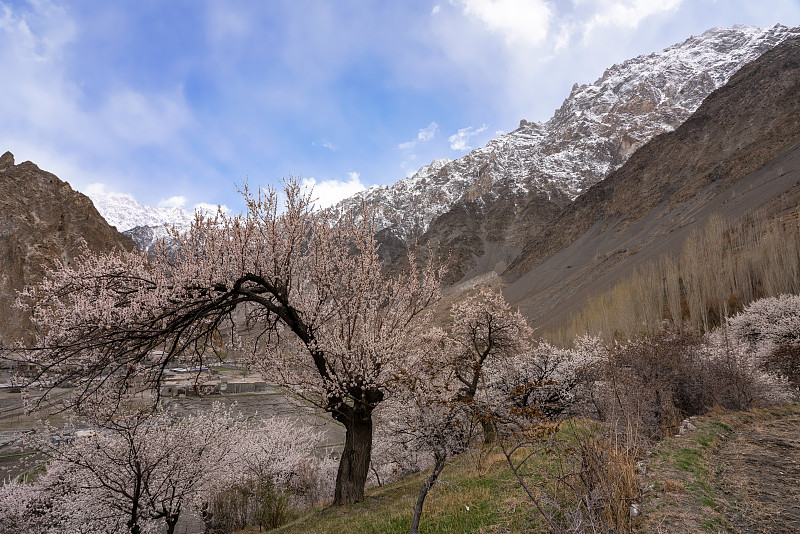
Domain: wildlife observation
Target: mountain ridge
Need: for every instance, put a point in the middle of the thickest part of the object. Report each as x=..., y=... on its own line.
x=738, y=154
x=597, y=127
x=42, y=220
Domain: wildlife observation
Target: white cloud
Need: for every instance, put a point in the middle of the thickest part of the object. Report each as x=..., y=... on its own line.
x=177, y=201
x=459, y=141
x=429, y=132
x=423, y=135
x=47, y=114
x=407, y=145
x=520, y=22
x=329, y=146
x=436, y=9
x=141, y=119
x=626, y=13
x=224, y=23
x=98, y=189
x=328, y=192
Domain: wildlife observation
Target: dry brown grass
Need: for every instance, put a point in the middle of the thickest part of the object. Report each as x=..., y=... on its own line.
x=736, y=472
x=672, y=486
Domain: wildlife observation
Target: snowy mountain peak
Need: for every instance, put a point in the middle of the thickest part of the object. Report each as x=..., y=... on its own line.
x=124, y=212
x=594, y=131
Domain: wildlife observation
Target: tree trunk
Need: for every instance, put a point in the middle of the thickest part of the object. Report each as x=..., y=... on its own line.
x=133, y=520
x=423, y=492
x=489, y=435
x=171, y=521
x=354, y=464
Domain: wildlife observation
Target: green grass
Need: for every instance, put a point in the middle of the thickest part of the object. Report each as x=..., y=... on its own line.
x=687, y=455
x=688, y=460
x=465, y=499
x=474, y=494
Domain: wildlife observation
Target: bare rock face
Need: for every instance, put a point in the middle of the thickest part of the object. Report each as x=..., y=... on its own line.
x=42, y=219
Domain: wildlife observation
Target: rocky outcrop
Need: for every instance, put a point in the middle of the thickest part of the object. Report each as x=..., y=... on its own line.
x=42, y=219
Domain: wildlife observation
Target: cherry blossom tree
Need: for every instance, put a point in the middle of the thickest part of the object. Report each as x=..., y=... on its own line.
x=424, y=422
x=275, y=464
x=320, y=318
x=448, y=390
x=18, y=503
x=138, y=470
x=139, y=473
x=769, y=322
x=487, y=333
x=771, y=328
x=554, y=380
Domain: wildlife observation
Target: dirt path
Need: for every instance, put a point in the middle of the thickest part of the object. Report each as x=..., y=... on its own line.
x=735, y=472
x=761, y=469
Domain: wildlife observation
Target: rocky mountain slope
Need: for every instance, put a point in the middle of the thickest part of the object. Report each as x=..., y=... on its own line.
x=595, y=130
x=738, y=153
x=41, y=219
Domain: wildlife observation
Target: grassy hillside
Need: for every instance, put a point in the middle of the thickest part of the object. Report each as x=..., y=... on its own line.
x=733, y=471
x=474, y=494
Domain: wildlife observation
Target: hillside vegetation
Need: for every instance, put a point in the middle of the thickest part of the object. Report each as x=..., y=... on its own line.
x=733, y=471
x=719, y=270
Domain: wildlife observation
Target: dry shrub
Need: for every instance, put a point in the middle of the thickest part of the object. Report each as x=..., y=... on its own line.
x=254, y=502
x=607, y=481
x=654, y=380
x=784, y=361
x=590, y=479
x=662, y=379
x=266, y=504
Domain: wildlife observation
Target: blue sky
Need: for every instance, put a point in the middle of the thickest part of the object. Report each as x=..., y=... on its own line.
x=175, y=102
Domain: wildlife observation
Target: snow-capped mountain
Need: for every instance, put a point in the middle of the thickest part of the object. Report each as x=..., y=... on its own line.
x=593, y=133
x=144, y=224
x=596, y=129
x=124, y=212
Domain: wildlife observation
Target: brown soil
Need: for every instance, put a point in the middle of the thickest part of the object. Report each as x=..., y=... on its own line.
x=761, y=469
x=737, y=472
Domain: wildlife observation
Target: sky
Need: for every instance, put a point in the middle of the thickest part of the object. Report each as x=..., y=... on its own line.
x=178, y=103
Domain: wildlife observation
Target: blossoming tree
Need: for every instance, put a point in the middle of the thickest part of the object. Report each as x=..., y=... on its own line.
x=487, y=334
x=305, y=291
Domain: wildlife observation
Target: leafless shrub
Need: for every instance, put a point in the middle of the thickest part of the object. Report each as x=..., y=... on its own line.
x=667, y=377
x=784, y=361
x=254, y=502
x=589, y=478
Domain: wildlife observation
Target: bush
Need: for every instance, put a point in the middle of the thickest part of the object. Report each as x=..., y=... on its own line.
x=784, y=361
x=589, y=480
x=253, y=503
x=667, y=377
